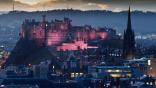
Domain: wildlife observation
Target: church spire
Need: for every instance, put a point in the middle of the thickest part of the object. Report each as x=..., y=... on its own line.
x=129, y=24
x=129, y=39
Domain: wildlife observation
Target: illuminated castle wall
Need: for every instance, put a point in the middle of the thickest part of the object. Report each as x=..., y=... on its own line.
x=60, y=33
x=44, y=32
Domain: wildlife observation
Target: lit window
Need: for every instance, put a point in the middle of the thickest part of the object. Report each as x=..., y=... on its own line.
x=109, y=70
x=72, y=75
x=115, y=75
x=149, y=62
x=129, y=75
x=81, y=74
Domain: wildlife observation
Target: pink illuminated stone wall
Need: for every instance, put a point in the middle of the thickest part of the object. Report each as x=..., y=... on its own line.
x=89, y=35
x=102, y=35
x=74, y=46
x=55, y=37
x=56, y=34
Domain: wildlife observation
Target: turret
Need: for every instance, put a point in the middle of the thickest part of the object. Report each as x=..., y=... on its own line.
x=43, y=18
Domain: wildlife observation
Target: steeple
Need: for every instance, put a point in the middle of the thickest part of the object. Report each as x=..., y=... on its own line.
x=129, y=39
x=129, y=25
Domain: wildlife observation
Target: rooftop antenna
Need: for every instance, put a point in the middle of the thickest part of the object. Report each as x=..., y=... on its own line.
x=67, y=4
x=13, y=5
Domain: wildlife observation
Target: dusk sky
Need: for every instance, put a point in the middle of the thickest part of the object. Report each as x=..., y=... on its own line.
x=113, y=5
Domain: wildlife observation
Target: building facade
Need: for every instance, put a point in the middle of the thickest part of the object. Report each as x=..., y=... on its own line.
x=61, y=33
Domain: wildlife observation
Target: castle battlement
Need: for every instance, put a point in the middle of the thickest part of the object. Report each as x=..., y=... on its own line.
x=58, y=32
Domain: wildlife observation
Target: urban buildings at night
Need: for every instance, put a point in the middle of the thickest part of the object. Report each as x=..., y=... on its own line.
x=59, y=54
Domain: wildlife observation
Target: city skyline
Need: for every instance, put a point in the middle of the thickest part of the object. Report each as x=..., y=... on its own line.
x=43, y=5
x=77, y=44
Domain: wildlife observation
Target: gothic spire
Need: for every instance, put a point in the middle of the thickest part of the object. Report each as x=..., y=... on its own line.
x=129, y=25
x=129, y=39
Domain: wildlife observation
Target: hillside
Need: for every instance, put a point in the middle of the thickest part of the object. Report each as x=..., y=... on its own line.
x=10, y=23
x=26, y=52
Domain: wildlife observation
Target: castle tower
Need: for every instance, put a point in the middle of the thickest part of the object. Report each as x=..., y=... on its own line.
x=129, y=40
x=43, y=18
x=45, y=27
